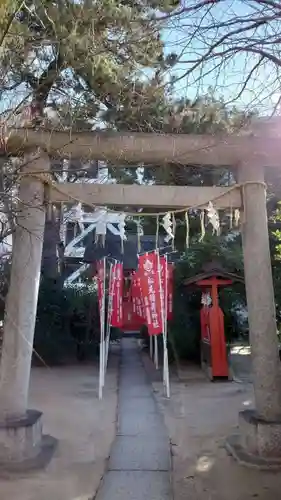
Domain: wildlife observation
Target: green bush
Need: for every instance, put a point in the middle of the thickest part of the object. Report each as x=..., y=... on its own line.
x=184, y=329
x=67, y=324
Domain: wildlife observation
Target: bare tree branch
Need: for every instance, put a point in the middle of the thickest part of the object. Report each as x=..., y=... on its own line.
x=216, y=49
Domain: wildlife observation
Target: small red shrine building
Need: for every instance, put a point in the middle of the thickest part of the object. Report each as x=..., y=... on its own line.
x=214, y=358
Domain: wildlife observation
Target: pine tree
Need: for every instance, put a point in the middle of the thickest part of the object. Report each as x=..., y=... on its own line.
x=81, y=56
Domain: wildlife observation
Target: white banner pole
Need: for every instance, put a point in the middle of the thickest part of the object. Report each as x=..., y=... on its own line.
x=164, y=340
x=103, y=315
x=164, y=367
x=165, y=334
x=166, y=362
x=156, y=362
x=162, y=301
x=109, y=313
x=101, y=345
x=100, y=373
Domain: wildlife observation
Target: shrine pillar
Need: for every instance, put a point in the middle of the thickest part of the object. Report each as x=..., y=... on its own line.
x=260, y=429
x=20, y=428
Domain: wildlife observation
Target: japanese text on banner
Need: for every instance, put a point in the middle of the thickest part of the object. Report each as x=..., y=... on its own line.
x=136, y=299
x=117, y=297
x=164, y=278
x=150, y=288
x=111, y=293
x=170, y=286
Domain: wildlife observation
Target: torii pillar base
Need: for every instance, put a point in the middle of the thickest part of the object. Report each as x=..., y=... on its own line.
x=258, y=444
x=23, y=447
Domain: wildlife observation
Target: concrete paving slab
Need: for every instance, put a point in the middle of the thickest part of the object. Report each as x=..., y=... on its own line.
x=133, y=372
x=141, y=406
x=139, y=453
x=123, y=399
x=129, y=374
x=135, y=392
x=136, y=366
x=132, y=424
x=133, y=382
x=135, y=485
x=131, y=377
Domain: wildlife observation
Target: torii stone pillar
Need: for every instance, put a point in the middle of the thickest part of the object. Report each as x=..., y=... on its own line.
x=260, y=430
x=20, y=428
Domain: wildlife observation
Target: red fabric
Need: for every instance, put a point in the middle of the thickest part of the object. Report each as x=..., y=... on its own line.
x=164, y=278
x=133, y=293
x=149, y=275
x=117, y=296
x=170, y=286
x=137, y=298
x=111, y=293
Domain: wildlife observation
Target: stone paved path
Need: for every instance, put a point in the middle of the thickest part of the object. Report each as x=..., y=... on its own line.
x=140, y=463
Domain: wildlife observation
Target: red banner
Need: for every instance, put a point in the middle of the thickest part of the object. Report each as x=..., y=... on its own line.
x=164, y=281
x=170, y=286
x=111, y=286
x=134, y=292
x=101, y=269
x=167, y=271
x=150, y=288
x=139, y=298
x=136, y=298
x=117, y=296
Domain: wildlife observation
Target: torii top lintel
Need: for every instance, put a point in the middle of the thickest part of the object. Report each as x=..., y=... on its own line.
x=259, y=145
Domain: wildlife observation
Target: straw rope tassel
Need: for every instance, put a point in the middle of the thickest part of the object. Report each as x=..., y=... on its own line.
x=202, y=221
x=187, y=229
x=236, y=217
x=157, y=232
x=231, y=219
x=138, y=237
x=243, y=211
x=174, y=231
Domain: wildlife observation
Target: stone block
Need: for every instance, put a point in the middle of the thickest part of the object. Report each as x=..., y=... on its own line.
x=260, y=436
x=248, y=431
x=22, y=444
x=20, y=439
x=269, y=439
x=258, y=443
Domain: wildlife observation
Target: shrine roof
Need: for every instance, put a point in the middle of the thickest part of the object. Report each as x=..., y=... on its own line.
x=211, y=270
x=112, y=249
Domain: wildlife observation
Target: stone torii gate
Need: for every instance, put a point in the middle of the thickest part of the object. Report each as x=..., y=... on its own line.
x=259, y=440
